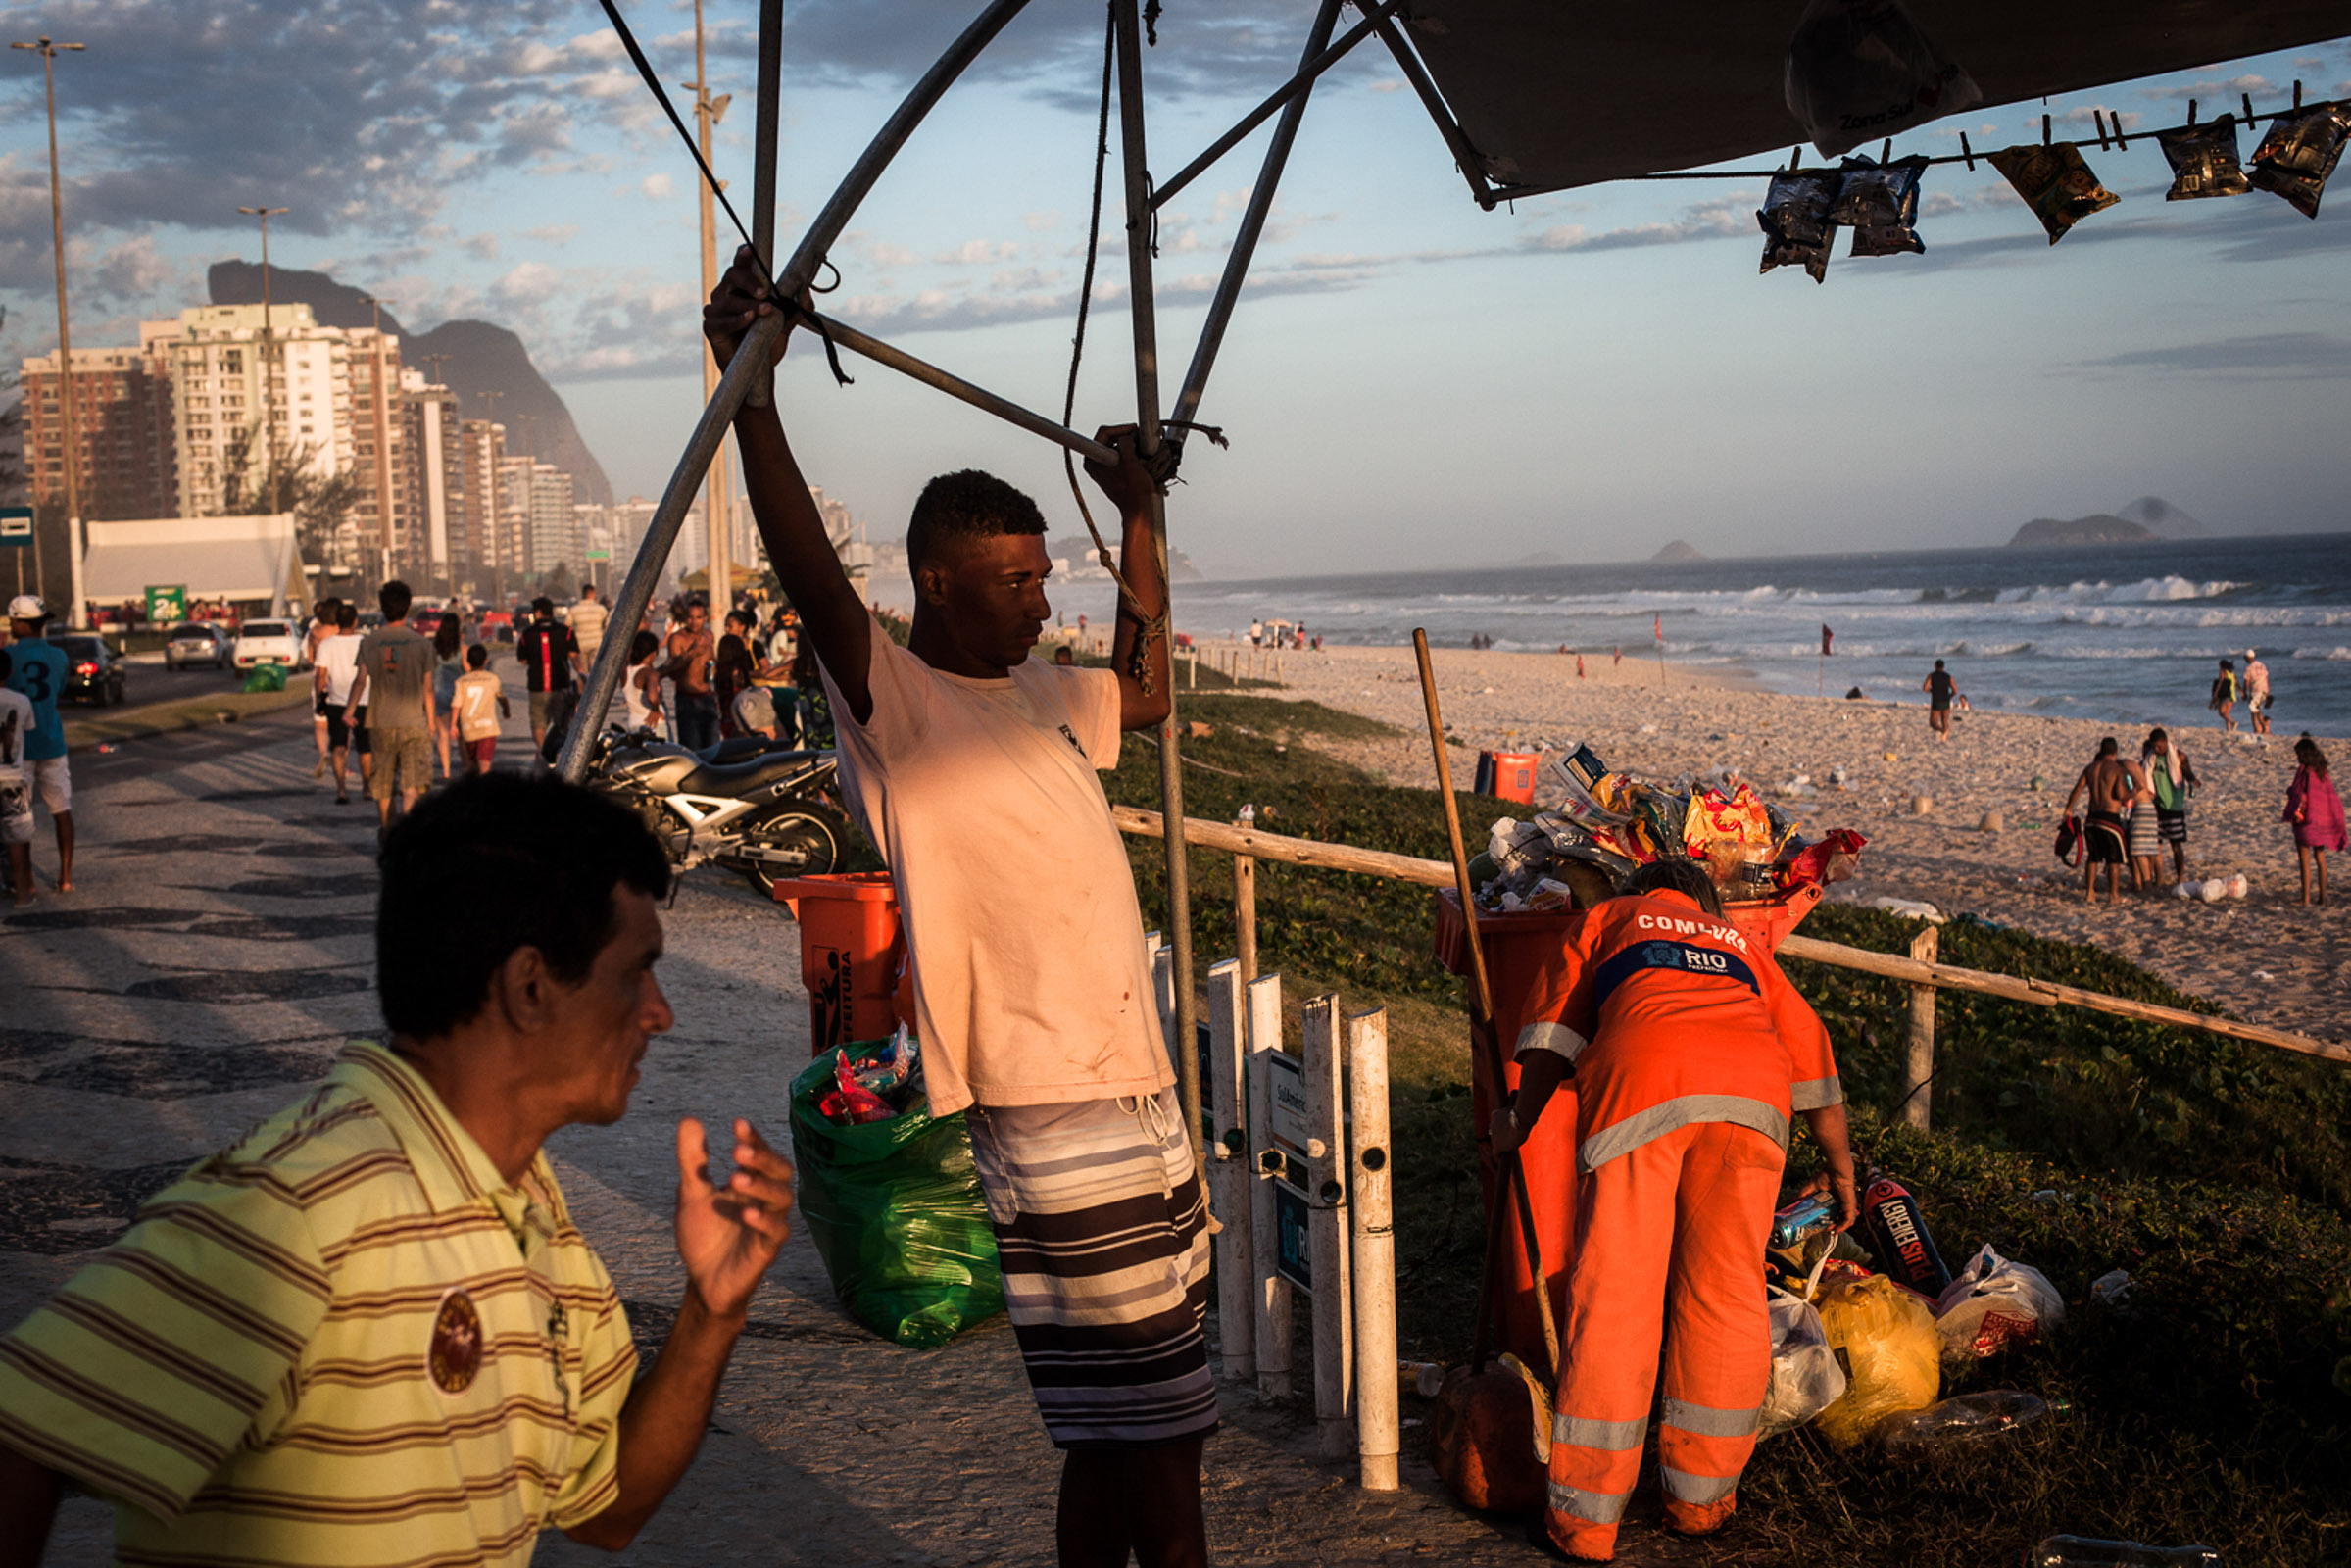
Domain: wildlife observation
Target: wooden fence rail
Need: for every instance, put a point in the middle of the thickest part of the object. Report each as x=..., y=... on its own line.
x=1923, y=975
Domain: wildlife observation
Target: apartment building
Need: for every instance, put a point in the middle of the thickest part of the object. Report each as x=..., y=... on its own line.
x=126, y=464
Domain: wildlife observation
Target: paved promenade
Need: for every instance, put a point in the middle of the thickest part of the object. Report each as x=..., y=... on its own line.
x=219, y=950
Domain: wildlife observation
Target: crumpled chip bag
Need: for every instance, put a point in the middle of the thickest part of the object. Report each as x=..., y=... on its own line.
x=1880, y=203
x=2055, y=183
x=1728, y=831
x=2203, y=160
x=1833, y=860
x=1797, y=230
x=1885, y=1338
x=1858, y=69
x=2299, y=153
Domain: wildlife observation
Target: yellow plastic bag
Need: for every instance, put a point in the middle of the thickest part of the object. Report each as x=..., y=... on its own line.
x=1885, y=1336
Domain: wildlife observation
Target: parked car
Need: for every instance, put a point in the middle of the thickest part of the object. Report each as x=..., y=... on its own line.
x=268, y=642
x=198, y=642
x=94, y=672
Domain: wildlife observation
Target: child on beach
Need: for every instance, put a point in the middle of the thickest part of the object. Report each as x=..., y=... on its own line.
x=480, y=704
x=2315, y=806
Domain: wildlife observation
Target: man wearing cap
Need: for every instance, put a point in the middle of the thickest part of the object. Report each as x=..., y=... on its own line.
x=2257, y=691
x=37, y=672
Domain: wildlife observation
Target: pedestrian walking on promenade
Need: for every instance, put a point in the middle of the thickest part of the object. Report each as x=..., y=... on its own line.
x=479, y=707
x=396, y=688
x=324, y=623
x=335, y=678
x=38, y=673
x=548, y=657
x=587, y=623
x=974, y=768
x=448, y=664
x=692, y=653
x=2315, y=808
x=370, y=1332
x=15, y=786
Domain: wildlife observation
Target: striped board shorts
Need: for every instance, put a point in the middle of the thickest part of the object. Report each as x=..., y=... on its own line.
x=2144, y=845
x=1101, y=1228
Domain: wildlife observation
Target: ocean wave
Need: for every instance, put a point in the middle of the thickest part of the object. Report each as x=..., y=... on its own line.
x=2163, y=590
x=2338, y=652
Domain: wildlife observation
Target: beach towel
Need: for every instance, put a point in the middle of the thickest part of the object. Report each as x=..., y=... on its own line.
x=2069, y=840
x=2315, y=808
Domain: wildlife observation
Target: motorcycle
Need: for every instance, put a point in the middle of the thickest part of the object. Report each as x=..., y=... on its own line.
x=771, y=816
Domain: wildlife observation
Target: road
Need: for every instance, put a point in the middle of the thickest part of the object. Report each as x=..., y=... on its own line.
x=219, y=950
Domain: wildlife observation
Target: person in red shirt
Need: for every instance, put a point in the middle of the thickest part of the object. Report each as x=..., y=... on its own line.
x=1690, y=1053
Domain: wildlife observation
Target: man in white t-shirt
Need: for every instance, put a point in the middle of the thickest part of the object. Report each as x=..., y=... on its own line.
x=15, y=786
x=973, y=767
x=338, y=672
x=587, y=622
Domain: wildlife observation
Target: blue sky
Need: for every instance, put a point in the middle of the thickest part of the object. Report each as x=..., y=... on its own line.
x=1409, y=383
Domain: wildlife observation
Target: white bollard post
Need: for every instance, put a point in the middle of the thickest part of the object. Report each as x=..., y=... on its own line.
x=1327, y=1228
x=1377, y=1421
x=1272, y=1292
x=1228, y=1174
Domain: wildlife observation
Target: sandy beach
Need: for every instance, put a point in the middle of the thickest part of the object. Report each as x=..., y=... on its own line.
x=2264, y=957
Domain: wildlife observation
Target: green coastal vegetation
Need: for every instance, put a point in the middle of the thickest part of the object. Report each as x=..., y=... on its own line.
x=2213, y=1404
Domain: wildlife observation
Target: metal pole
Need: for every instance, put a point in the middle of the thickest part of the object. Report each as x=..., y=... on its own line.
x=955, y=386
x=1465, y=156
x=763, y=155
x=753, y=359
x=383, y=442
x=1146, y=444
x=717, y=502
x=1252, y=223
x=66, y=403
x=1312, y=65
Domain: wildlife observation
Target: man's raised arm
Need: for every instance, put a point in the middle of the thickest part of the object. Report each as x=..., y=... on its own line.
x=832, y=618
x=1129, y=487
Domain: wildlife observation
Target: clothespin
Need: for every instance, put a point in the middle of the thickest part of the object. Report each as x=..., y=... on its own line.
x=2191, y=114
x=2121, y=141
x=1886, y=151
x=1967, y=153
x=2246, y=99
x=2297, y=97
x=2099, y=116
x=2044, y=130
x=1795, y=156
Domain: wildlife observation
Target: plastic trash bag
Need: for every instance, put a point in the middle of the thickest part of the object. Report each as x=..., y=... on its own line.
x=1859, y=69
x=2055, y=183
x=2203, y=160
x=1964, y=1421
x=896, y=1213
x=1805, y=1377
x=1879, y=202
x=1797, y=229
x=2299, y=153
x=1886, y=1338
x=265, y=678
x=1993, y=1304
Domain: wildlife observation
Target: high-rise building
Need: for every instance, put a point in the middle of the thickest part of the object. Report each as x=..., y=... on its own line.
x=482, y=456
x=553, y=528
x=431, y=539
x=126, y=466
x=230, y=405
x=378, y=446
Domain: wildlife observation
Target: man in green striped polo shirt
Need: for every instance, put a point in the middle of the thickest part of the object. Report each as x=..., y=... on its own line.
x=369, y=1333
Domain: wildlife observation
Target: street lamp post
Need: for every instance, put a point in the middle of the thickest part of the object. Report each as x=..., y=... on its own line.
x=717, y=497
x=65, y=344
x=493, y=514
x=383, y=457
x=269, y=377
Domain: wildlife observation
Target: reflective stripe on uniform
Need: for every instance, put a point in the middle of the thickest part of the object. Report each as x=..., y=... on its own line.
x=1623, y=1137
x=1705, y=1421
x=1610, y=1436
x=1816, y=1094
x=1683, y=1486
x=1595, y=1507
x=1553, y=1037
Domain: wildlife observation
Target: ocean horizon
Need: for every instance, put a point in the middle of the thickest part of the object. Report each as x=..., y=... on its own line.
x=2128, y=635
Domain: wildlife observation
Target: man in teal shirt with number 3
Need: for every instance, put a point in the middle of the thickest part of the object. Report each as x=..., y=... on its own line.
x=37, y=672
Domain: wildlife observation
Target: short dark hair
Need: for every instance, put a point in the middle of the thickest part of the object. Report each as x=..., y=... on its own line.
x=968, y=504
x=346, y=617
x=542, y=606
x=1677, y=874
x=477, y=657
x=395, y=598
x=492, y=863
x=1938, y=664
x=2109, y=746
x=642, y=647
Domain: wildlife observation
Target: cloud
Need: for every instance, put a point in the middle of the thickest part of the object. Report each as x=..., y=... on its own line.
x=551, y=233
x=2210, y=90
x=1718, y=218
x=2268, y=355
x=657, y=187
x=978, y=253
x=1041, y=223
x=1388, y=84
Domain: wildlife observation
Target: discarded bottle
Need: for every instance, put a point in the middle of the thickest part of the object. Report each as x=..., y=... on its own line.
x=1812, y=1212
x=1899, y=1239
x=2080, y=1552
x=1963, y=1418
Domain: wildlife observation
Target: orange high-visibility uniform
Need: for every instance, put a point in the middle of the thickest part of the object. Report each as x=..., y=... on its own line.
x=1690, y=1053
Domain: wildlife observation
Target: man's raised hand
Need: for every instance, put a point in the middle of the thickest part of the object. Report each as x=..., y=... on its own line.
x=741, y=298
x=1129, y=485
x=727, y=1236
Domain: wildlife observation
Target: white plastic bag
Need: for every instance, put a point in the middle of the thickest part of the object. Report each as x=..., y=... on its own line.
x=1994, y=1303
x=1805, y=1377
x=1860, y=69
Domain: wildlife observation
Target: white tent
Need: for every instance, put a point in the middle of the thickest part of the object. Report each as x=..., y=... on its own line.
x=241, y=559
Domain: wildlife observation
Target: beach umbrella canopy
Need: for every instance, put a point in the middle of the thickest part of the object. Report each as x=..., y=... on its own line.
x=1555, y=96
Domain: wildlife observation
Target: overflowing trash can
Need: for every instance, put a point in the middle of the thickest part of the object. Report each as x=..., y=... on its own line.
x=851, y=950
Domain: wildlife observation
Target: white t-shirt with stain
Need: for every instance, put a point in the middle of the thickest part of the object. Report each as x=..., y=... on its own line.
x=1025, y=943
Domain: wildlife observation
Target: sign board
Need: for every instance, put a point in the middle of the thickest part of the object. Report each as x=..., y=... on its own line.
x=16, y=528
x=600, y=555
x=166, y=604
x=1293, y=1258
x=1285, y=1084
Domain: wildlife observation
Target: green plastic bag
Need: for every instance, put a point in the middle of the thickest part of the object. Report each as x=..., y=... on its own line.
x=265, y=678
x=896, y=1212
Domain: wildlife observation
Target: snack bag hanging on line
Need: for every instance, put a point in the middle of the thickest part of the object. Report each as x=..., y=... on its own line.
x=2203, y=160
x=2055, y=183
x=1879, y=202
x=1797, y=227
x=2299, y=153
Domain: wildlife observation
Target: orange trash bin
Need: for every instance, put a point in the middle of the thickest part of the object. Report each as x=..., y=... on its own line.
x=1519, y=949
x=1507, y=775
x=851, y=951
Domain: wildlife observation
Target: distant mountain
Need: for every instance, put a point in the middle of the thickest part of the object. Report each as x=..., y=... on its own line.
x=2163, y=519
x=1680, y=550
x=481, y=358
x=2100, y=528
x=1078, y=551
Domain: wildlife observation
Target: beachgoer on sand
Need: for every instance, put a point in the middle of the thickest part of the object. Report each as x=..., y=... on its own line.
x=2257, y=691
x=2172, y=777
x=2315, y=808
x=2223, y=697
x=974, y=766
x=2146, y=844
x=1940, y=689
x=2109, y=782
x=1690, y=1053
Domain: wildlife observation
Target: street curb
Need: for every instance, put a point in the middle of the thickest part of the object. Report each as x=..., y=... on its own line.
x=170, y=717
